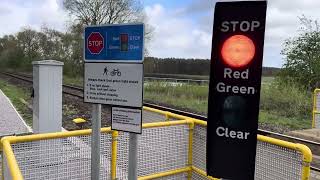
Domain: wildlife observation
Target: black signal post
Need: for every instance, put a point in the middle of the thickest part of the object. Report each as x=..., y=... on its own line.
x=234, y=91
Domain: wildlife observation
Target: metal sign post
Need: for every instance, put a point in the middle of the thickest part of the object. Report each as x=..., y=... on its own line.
x=114, y=76
x=133, y=156
x=95, y=141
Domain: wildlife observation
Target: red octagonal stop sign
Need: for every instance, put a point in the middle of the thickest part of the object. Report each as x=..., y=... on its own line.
x=95, y=43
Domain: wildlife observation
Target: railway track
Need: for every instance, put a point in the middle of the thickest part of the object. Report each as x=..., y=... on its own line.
x=78, y=92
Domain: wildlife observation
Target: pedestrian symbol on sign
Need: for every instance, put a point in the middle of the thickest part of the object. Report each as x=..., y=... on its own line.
x=105, y=71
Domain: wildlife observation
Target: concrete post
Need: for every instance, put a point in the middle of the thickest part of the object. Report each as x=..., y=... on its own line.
x=47, y=101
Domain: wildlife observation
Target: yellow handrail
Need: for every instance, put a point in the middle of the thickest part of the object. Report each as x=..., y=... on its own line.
x=16, y=173
x=11, y=160
x=167, y=173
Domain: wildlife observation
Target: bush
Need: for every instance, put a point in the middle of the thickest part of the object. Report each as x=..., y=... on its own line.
x=286, y=99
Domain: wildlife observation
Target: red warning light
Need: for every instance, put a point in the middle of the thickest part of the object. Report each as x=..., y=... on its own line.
x=238, y=51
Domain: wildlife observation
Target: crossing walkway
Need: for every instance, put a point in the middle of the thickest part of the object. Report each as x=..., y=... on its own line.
x=10, y=120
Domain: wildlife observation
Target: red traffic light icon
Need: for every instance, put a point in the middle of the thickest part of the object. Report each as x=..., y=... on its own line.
x=238, y=51
x=95, y=43
x=124, y=42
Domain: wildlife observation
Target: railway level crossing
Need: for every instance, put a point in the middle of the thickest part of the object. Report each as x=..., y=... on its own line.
x=176, y=141
x=73, y=149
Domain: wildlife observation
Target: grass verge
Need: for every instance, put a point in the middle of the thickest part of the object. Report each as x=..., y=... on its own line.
x=290, y=123
x=16, y=94
x=191, y=97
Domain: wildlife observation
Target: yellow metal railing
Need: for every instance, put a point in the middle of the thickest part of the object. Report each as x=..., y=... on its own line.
x=7, y=142
x=315, y=110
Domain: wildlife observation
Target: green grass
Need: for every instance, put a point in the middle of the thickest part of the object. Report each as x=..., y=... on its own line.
x=15, y=94
x=185, y=96
x=267, y=80
x=291, y=123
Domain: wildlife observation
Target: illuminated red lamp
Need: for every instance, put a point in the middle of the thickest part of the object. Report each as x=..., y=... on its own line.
x=238, y=51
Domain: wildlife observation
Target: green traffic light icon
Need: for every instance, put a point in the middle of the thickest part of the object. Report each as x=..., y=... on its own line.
x=234, y=111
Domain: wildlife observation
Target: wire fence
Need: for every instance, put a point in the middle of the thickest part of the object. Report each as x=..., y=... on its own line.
x=166, y=150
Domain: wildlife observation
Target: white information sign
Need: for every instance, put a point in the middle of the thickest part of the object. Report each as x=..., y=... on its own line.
x=114, y=84
x=126, y=119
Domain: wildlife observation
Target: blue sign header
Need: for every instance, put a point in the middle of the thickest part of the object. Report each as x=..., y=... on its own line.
x=114, y=43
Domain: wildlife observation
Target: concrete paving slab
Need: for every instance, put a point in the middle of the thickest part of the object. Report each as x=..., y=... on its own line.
x=10, y=120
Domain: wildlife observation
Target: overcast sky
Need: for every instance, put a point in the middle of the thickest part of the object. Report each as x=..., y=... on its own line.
x=183, y=28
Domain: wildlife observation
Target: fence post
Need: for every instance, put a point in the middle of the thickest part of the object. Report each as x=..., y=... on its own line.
x=114, y=155
x=307, y=159
x=315, y=108
x=191, y=128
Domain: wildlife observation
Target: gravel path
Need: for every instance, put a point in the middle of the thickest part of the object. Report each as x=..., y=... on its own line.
x=10, y=121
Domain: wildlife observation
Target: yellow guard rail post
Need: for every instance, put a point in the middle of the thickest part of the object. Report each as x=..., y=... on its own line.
x=191, y=127
x=114, y=155
x=314, y=109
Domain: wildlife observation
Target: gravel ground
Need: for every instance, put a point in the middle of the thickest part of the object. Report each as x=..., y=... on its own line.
x=75, y=107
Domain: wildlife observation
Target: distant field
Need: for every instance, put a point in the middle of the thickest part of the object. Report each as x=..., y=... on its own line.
x=78, y=81
x=179, y=76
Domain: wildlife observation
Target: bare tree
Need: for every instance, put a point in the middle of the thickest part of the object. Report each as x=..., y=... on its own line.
x=28, y=40
x=93, y=12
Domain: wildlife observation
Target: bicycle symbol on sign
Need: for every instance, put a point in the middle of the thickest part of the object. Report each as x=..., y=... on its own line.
x=112, y=73
x=115, y=72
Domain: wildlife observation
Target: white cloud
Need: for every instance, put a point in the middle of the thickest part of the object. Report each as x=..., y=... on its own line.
x=176, y=36
x=17, y=14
